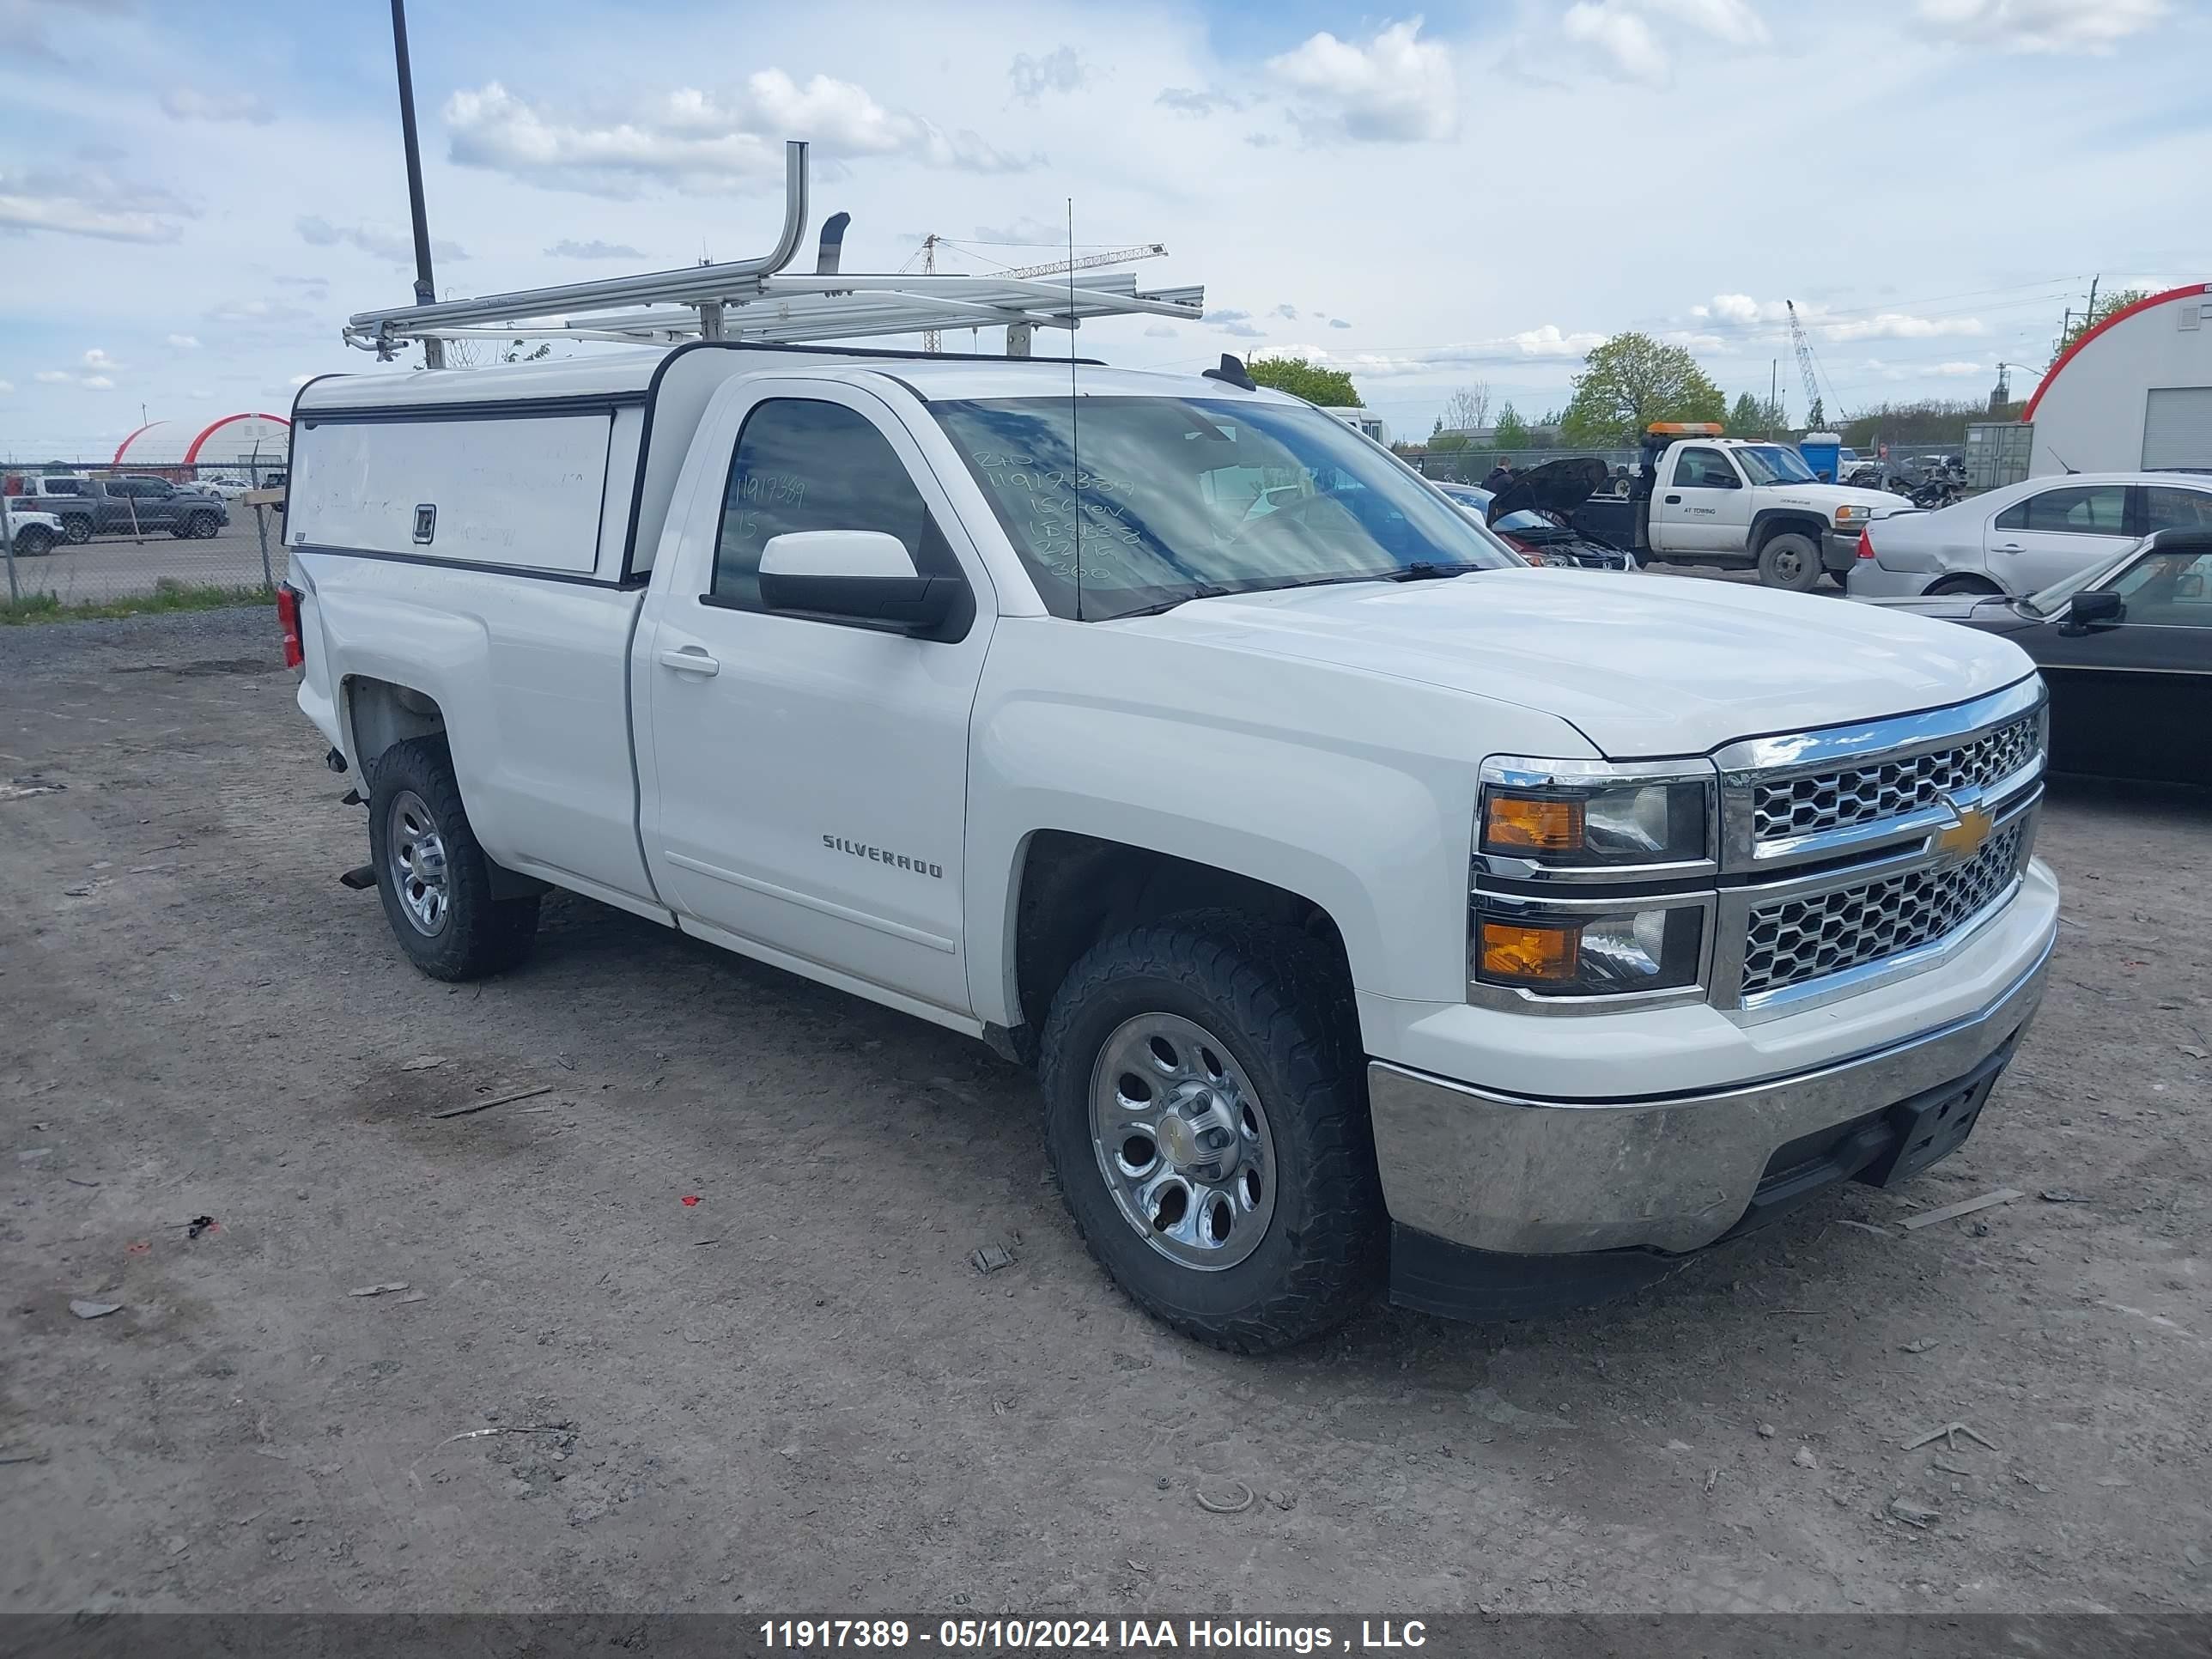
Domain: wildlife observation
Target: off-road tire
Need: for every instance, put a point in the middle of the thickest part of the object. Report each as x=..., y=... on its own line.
x=1790, y=561
x=34, y=543
x=1951, y=584
x=76, y=529
x=1283, y=1008
x=201, y=526
x=482, y=935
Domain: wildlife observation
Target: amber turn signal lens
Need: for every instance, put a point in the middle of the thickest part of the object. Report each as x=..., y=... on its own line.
x=1522, y=823
x=1533, y=955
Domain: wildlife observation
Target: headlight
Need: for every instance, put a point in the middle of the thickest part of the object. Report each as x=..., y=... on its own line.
x=1586, y=951
x=1586, y=814
x=1851, y=517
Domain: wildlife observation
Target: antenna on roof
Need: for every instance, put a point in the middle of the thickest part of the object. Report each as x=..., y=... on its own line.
x=1074, y=404
x=1231, y=372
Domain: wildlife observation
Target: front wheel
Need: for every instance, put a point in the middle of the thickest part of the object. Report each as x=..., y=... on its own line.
x=1206, y=1116
x=434, y=880
x=202, y=526
x=1791, y=561
x=34, y=543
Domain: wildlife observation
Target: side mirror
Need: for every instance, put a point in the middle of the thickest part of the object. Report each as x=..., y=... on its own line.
x=2097, y=608
x=858, y=577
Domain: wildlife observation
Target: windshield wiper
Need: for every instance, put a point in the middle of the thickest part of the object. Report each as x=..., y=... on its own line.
x=1423, y=570
x=1203, y=591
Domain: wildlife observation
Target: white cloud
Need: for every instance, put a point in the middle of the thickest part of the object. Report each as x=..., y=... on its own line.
x=1338, y=322
x=697, y=140
x=52, y=376
x=1396, y=88
x=1621, y=32
x=1161, y=332
x=188, y=104
x=98, y=361
x=592, y=250
x=184, y=342
x=1191, y=100
x=1238, y=322
x=98, y=383
x=1548, y=343
x=1769, y=319
x=6, y=386
x=1623, y=38
x=86, y=200
x=1062, y=69
x=395, y=247
x=2042, y=25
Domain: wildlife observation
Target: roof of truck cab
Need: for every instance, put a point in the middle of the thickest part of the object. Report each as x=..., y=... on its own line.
x=629, y=374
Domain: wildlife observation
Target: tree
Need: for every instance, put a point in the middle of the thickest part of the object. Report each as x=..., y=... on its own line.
x=1468, y=409
x=1632, y=380
x=1513, y=431
x=1747, y=419
x=2118, y=299
x=1331, y=388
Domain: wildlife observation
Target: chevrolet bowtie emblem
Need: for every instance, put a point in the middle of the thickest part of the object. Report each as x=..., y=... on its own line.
x=1963, y=838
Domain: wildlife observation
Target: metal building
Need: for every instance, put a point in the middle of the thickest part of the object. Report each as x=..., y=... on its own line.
x=2135, y=391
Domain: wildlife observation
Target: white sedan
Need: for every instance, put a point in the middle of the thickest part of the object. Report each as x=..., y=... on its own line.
x=2022, y=538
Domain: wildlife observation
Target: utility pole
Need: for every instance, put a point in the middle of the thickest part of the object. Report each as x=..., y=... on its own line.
x=1773, y=395
x=426, y=290
x=932, y=341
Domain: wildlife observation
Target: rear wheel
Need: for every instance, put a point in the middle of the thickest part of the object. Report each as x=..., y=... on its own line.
x=76, y=529
x=201, y=525
x=1963, y=585
x=1206, y=1116
x=1790, y=560
x=434, y=880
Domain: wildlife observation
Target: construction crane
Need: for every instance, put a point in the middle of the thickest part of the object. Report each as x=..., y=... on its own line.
x=1815, y=415
x=929, y=339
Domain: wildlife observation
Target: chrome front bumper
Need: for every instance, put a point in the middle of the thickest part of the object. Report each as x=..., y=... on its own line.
x=1528, y=1176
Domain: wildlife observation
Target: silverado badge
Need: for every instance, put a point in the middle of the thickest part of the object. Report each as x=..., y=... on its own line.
x=1963, y=838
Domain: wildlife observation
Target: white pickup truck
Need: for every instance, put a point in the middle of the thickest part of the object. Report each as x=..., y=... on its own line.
x=1375, y=907
x=1700, y=498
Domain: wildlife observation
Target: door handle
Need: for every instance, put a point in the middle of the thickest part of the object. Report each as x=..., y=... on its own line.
x=2007, y=547
x=691, y=661
x=1673, y=500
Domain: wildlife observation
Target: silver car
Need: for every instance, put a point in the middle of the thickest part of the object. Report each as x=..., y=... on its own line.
x=2022, y=538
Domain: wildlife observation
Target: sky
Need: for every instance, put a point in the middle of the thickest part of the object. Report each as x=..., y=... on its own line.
x=193, y=199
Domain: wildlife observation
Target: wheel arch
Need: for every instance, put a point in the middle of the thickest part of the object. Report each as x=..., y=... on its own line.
x=1773, y=522
x=379, y=713
x=1071, y=889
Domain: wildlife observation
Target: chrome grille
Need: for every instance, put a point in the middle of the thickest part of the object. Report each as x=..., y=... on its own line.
x=1784, y=808
x=1808, y=938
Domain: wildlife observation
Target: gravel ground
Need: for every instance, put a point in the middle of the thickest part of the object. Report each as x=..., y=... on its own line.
x=798, y=1393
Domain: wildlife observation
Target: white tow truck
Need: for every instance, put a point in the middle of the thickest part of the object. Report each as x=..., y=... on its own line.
x=1375, y=908
x=1700, y=498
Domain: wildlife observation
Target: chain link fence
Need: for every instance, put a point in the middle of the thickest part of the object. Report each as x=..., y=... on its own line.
x=88, y=535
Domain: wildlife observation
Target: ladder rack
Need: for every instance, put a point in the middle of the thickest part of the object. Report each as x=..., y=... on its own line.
x=757, y=299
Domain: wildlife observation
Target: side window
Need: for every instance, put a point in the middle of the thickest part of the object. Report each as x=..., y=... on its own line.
x=2168, y=508
x=2083, y=510
x=2169, y=590
x=1702, y=469
x=2013, y=517
x=800, y=465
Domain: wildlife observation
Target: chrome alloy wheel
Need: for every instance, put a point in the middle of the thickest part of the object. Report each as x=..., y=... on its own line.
x=417, y=857
x=1182, y=1141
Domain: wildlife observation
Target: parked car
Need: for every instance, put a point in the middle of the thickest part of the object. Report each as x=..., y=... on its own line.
x=2126, y=649
x=2025, y=536
x=1533, y=515
x=128, y=504
x=1704, y=499
x=31, y=533
x=1374, y=908
x=221, y=484
x=1525, y=531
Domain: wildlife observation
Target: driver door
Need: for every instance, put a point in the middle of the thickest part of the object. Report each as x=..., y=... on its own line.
x=807, y=783
x=1703, y=507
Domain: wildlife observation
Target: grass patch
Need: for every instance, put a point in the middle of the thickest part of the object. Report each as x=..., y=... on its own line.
x=168, y=594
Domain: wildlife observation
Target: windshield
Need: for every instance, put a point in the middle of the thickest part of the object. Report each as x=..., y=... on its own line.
x=1770, y=464
x=1178, y=497
x=2053, y=599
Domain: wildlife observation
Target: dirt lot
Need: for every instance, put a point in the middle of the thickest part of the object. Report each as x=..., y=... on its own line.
x=798, y=1393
